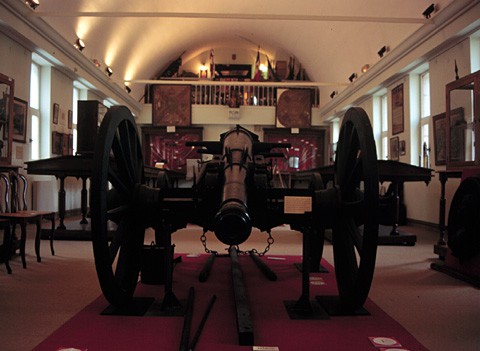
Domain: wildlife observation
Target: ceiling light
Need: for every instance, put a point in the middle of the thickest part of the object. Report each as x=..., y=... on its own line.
x=332, y=95
x=96, y=63
x=428, y=12
x=365, y=68
x=127, y=88
x=352, y=77
x=109, y=71
x=32, y=3
x=79, y=44
x=382, y=51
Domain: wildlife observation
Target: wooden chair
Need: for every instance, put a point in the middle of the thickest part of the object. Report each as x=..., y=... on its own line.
x=19, y=214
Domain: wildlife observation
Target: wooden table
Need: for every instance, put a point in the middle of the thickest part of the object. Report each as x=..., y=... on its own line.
x=397, y=173
x=79, y=166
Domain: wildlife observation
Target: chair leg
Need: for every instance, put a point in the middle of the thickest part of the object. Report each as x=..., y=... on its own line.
x=23, y=241
x=37, y=238
x=52, y=233
x=7, y=246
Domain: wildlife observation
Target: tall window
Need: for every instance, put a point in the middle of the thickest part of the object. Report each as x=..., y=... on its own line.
x=424, y=111
x=384, y=126
x=76, y=97
x=35, y=112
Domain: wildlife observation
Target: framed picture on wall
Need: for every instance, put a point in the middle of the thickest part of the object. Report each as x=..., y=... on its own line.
x=56, y=112
x=394, y=149
x=440, y=138
x=171, y=105
x=57, y=143
x=294, y=108
x=20, y=111
x=397, y=109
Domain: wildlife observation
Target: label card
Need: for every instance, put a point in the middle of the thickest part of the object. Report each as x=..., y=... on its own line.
x=297, y=204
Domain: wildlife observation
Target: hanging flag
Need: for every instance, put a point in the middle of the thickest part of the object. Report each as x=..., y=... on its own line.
x=272, y=72
x=212, y=64
x=291, y=67
x=256, y=77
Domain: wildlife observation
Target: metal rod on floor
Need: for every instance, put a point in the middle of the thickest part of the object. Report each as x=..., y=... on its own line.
x=202, y=324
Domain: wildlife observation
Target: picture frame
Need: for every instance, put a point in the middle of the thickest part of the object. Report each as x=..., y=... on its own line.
x=168, y=146
x=457, y=126
x=57, y=143
x=20, y=112
x=56, y=112
x=70, y=119
x=440, y=138
x=397, y=110
x=64, y=144
x=294, y=108
x=171, y=105
x=394, y=149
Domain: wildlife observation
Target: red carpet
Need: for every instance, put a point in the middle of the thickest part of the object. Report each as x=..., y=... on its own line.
x=89, y=330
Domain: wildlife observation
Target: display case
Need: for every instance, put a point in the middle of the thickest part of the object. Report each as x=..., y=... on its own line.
x=462, y=122
x=90, y=115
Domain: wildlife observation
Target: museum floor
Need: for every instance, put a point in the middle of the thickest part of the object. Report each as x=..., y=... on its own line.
x=440, y=311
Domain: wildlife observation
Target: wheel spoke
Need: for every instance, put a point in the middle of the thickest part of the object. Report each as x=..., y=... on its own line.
x=118, y=183
x=123, y=159
x=116, y=241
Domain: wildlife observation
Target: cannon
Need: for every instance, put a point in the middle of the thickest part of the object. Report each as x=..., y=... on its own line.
x=233, y=193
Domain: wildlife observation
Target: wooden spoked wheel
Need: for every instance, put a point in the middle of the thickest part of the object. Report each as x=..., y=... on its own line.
x=356, y=180
x=464, y=220
x=118, y=161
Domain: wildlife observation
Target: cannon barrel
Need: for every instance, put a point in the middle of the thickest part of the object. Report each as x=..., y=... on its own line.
x=232, y=224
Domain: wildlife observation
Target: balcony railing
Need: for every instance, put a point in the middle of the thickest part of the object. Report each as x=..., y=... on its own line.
x=236, y=93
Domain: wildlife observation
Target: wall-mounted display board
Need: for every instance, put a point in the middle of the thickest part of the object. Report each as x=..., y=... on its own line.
x=162, y=146
x=462, y=122
x=307, y=151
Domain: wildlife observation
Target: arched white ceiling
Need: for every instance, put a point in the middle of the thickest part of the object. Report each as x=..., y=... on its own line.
x=331, y=38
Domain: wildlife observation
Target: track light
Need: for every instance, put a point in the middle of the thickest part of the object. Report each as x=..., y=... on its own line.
x=127, y=88
x=79, y=44
x=352, y=77
x=333, y=94
x=365, y=68
x=382, y=51
x=428, y=12
x=32, y=3
x=109, y=71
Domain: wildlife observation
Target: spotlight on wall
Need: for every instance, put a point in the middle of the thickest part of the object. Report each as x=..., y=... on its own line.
x=127, y=88
x=333, y=94
x=109, y=71
x=79, y=44
x=365, y=68
x=352, y=77
x=428, y=12
x=382, y=51
x=32, y=3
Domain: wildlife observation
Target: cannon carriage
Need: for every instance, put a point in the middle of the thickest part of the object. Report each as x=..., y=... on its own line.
x=231, y=194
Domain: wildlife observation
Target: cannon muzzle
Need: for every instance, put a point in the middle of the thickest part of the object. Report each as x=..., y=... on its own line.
x=232, y=222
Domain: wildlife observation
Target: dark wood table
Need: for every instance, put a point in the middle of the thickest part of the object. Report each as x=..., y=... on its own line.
x=80, y=167
x=397, y=173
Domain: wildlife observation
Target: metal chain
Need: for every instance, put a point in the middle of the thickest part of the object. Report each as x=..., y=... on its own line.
x=270, y=241
x=203, y=239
